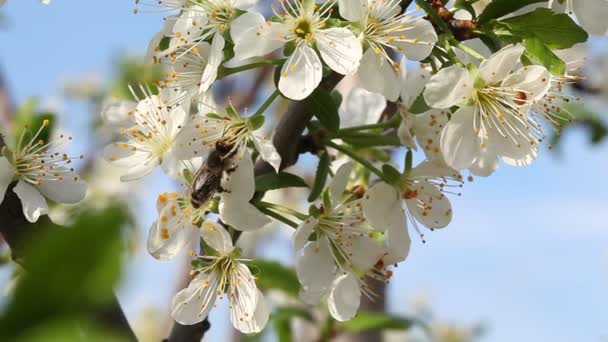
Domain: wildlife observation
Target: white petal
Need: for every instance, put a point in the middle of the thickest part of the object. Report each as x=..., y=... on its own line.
x=448, y=87
x=521, y=152
x=428, y=127
x=243, y=295
x=344, y=298
x=303, y=232
x=397, y=240
x=34, y=205
x=361, y=107
x=420, y=38
x=377, y=75
x=301, y=73
x=244, y=4
x=459, y=143
x=141, y=170
x=6, y=176
x=339, y=182
x=70, y=189
x=380, y=204
x=239, y=182
x=192, y=304
x=315, y=266
x=217, y=237
x=242, y=216
x=405, y=129
x=118, y=112
x=500, y=64
x=267, y=151
x=352, y=10
x=364, y=251
x=413, y=84
x=253, y=36
x=256, y=322
x=478, y=46
x=485, y=164
x=592, y=15
x=430, y=206
x=533, y=80
x=169, y=234
x=340, y=49
x=215, y=59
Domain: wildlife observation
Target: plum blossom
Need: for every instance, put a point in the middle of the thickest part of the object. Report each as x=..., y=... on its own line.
x=493, y=119
x=343, y=250
x=221, y=272
x=386, y=32
x=303, y=26
x=39, y=173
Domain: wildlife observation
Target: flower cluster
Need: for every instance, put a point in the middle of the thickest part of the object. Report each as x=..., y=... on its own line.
x=415, y=84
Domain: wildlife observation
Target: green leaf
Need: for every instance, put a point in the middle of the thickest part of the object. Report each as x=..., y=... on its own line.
x=391, y=173
x=273, y=181
x=543, y=55
x=465, y=5
x=322, y=105
x=73, y=329
x=361, y=140
x=557, y=31
x=372, y=321
x=320, y=177
x=582, y=117
x=273, y=275
x=499, y=8
x=419, y=105
x=71, y=272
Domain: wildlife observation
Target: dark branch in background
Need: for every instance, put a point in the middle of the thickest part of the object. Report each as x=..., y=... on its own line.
x=17, y=231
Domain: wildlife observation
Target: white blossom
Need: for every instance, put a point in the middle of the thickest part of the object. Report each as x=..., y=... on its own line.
x=591, y=14
x=493, y=119
x=220, y=273
x=39, y=172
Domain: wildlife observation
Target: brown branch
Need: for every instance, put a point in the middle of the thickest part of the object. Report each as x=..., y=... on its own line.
x=461, y=29
x=17, y=231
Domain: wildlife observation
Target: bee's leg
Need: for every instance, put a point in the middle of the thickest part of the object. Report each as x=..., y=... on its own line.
x=221, y=189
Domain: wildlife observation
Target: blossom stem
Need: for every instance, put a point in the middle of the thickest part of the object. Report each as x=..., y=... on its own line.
x=283, y=209
x=224, y=72
x=393, y=122
x=467, y=49
x=267, y=103
x=278, y=216
x=347, y=151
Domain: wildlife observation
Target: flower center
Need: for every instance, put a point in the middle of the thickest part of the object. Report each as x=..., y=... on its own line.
x=303, y=29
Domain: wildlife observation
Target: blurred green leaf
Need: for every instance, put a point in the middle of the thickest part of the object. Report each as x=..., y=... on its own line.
x=556, y=31
x=273, y=275
x=581, y=117
x=320, y=177
x=362, y=140
x=282, y=317
x=369, y=321
x=70, y=330
x=273, y=181
x=539, y=52
x=500, y=8
x=133, y=72
x=28, y=120
x=323, y=106
x=71, y=272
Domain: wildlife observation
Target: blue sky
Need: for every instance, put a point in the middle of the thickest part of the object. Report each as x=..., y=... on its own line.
x=526, y=254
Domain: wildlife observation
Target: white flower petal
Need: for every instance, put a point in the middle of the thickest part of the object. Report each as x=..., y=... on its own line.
x=397, y=240
x=243, y=295
x=34, y=205
x=344, y=298
x=352, y=10
x=303, y=232
x=193, y=304
x=253, y=36
x=430, y=206
x=427, y=128
x=70, y=189
x=216, y=57
x=592, y=15
x=256, y=322
x=169, y=234
x=239, y=182
x=377, y=75
x=340, y=49
x=6, y=176
x=413, y=83
x=267, y=151
x=448, y=87
x=420, y=38
x=361, y=107
x=244, y=4
x=118, y=112
x=459, y=142
x=485, y=164
x=217, y=237
x=405, y=129
x=500, y=64
x=533, y=80
x=140, y=170
x=364, y=251
x=242, y=216
x=379, y=205
x=315, y=266
x=301, y=73
x=339, y=182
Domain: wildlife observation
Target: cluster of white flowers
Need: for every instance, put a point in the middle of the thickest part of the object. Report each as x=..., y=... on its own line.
x=473, y=115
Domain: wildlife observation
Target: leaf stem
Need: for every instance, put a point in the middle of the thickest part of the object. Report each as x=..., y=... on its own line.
x=393, y=122
x=467, y=49
x=278, y=216
x=224, y=72
x=283, y=209
x=352, y=154
x=267, y=103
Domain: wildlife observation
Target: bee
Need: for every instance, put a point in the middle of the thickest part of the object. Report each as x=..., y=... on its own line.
x=207, y=180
